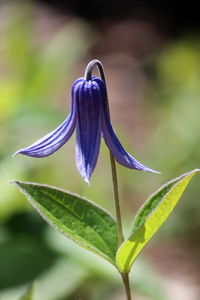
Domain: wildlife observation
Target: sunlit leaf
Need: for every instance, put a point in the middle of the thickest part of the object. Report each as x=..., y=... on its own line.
x=77, y=218
x=149, y=219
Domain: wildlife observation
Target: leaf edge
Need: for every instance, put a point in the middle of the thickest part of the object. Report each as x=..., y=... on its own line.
x=32, y=202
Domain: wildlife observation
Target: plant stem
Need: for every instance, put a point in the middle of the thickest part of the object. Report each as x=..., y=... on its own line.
x=88, y=76
x=125, y=279
x=125, y=276
x=116, y=198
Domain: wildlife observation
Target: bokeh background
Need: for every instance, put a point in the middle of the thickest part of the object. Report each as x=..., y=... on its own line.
x=151, y=55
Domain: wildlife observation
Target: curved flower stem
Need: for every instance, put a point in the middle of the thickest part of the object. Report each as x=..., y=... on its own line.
x=89, y=68
x=88, y=76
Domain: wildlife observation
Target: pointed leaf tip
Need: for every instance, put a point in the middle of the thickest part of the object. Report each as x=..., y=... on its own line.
x=149, y=219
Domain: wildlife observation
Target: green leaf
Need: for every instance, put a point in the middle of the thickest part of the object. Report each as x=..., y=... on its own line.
x=149, y=219
x=28, y=294
x=77, y=218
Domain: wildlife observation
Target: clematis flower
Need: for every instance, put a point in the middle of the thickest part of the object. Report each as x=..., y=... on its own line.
x=89, y=116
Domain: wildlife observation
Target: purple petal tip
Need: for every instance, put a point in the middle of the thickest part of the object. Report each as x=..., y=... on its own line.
x=17, y=152
x=151, y=171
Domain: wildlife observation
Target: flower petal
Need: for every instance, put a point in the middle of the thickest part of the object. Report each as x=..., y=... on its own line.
x=58, y=137
x=111, y=140
x=88, y=129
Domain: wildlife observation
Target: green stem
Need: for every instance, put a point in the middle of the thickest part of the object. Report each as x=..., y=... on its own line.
x=88, y=76
x=125, y=279
x=116, y=198
x=125, y=276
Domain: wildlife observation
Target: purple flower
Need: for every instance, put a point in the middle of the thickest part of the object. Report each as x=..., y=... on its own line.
x=90, y=117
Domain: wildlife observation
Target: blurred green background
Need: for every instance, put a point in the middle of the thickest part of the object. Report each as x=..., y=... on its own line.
x=154, y=86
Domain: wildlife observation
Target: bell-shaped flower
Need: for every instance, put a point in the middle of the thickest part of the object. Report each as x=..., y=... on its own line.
x=90, y=117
